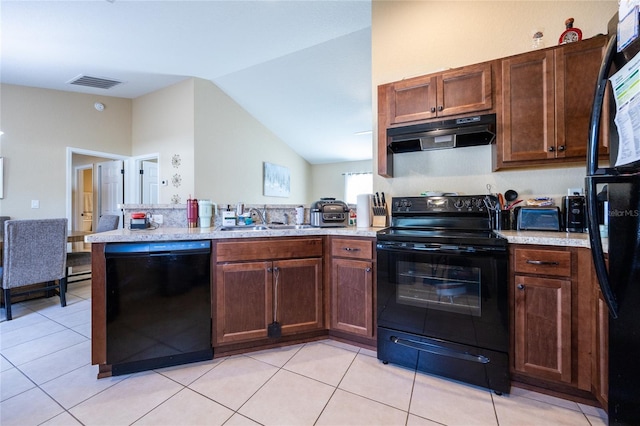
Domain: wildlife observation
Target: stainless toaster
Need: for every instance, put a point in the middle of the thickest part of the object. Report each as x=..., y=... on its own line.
x=538, y=219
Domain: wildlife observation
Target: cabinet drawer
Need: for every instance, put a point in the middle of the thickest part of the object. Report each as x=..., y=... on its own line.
x=268, y=249
x=352, y=248
x=543, y=262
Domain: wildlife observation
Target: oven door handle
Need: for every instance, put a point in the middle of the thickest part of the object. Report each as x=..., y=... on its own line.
x=439, y=350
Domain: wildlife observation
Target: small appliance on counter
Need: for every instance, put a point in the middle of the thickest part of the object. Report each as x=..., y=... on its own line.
x=534, y=218
x=139, y=221
x=573, y=213
x=327, y=212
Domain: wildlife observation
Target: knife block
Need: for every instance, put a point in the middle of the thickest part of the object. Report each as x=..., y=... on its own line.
x=380, y=216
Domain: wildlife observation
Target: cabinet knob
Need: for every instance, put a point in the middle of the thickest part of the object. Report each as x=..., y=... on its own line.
x=433, y=109
x=367, y=269
x=551, y=149
x=440, y=108
x=520, y=286
x=561, y=148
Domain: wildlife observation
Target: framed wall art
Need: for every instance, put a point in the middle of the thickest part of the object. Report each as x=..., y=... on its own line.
x=277, y=180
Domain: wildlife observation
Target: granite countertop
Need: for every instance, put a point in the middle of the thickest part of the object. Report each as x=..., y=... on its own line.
x=175, y=234
x=550, y=238
x=564, y=239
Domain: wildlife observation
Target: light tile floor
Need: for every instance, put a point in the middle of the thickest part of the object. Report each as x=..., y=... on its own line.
x=46, y=379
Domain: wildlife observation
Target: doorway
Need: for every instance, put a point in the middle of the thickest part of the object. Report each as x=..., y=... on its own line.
x=86, y=188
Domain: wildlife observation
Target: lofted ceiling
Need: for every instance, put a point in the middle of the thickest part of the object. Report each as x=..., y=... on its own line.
x=302, y=68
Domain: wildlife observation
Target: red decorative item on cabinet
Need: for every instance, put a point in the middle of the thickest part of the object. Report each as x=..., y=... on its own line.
x=570, y=34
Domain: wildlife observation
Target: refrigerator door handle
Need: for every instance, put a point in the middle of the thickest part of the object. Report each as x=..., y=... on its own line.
x=597, y=251
x=596, y=111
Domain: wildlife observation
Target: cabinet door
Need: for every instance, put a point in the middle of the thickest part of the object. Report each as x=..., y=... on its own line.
x=412, y=99
x=243, y=301
x=298, y=285
x=528, y=118
x=543, y=327
x=576, y=72
x=464, y=90
x=352, y=296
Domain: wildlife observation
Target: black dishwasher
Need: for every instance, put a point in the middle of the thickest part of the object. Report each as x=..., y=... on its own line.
x=158, y=304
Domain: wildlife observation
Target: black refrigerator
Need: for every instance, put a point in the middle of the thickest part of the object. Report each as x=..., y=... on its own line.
x=613, y=197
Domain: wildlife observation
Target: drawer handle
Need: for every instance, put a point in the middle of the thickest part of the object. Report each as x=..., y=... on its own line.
x=351, y=249
x=542, y=262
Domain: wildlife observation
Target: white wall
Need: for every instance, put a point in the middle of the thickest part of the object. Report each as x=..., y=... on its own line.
x=231, y=147
x=328, y=179
x=411, y=38
x=163, y=123
x=38, y=126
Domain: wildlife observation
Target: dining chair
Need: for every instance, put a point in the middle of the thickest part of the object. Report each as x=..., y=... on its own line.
x=107, y=222
x=3, y=219
x=34, y=252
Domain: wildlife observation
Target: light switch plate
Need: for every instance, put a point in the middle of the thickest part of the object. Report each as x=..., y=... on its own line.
x=157, y=218
x=35, y=204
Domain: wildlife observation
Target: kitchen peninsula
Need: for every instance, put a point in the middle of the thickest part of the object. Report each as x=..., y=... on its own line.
x=246, y=295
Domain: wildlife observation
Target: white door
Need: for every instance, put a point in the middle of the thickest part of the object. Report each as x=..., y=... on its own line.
x=110, y=188
x=149, y=182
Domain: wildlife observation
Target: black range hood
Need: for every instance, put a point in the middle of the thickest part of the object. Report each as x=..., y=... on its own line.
x=455, y=133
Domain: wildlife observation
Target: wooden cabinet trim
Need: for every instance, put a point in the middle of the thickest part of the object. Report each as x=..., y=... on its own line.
x=268, y=249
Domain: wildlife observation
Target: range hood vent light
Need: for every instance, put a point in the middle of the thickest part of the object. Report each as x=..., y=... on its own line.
x=456, y=133
x=95, y=82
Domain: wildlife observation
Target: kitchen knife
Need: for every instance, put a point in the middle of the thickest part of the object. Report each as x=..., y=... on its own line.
x=384, y=202
x=378, y=198
x=374, y=201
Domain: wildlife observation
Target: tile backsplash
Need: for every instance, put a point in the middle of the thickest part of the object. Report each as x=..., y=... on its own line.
x=175, y=215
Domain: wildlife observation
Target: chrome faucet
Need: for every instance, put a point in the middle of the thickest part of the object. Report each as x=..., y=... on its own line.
x=261, y=214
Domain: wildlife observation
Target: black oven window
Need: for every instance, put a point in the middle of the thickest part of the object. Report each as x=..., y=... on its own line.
x=439, y=286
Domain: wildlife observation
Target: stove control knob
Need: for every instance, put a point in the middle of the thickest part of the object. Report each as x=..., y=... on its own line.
x=458, y=204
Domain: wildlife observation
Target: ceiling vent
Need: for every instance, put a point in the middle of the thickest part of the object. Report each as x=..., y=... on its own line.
x=95, y=82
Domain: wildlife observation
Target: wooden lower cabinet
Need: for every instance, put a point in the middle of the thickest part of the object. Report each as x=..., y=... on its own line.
x=352, y=296
x=352, y=304
x=248, y=293
x=244, y=301
x=543, y=327
x=552, y=300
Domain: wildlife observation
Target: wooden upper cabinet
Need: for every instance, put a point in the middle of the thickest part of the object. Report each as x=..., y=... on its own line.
x=546, y=104
x=528, y=119
x=412, y=100
x=461, y=91
x=576, y=73
x=458, y=91
x=465, y=90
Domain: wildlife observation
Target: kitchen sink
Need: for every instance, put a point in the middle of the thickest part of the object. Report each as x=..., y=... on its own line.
x=245, y=228
x=290, y=227
x=263, y=227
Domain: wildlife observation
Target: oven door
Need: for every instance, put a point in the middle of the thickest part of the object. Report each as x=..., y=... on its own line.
x=449, y=293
